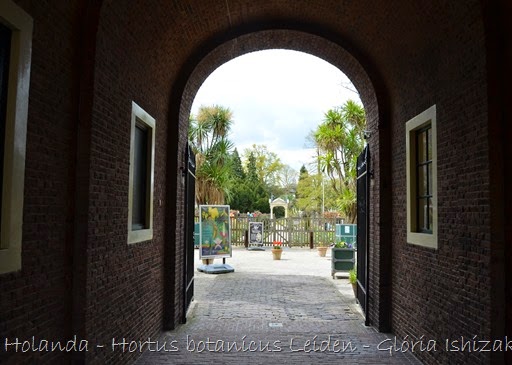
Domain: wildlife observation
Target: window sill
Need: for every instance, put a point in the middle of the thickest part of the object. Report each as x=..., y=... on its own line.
x=422, y=239
x=140, y=235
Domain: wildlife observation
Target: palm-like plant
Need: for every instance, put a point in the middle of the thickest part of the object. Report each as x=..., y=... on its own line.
x=339, y=140
x=208, y=135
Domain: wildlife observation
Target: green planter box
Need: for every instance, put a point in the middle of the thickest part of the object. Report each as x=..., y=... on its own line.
x=343, y=260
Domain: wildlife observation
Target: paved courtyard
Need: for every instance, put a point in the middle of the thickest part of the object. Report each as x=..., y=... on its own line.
x=275, y=312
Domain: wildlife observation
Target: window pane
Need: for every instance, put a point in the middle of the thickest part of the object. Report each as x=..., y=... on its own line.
x=430, y=215
x=429, y=152
x=140, y=179
x=5, y=55
x=430, y=181
x=422, y=146
x=422, y=215
x=422, y=180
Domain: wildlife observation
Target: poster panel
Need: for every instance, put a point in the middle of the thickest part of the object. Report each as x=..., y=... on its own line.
x=256, y=233
x=214, y=232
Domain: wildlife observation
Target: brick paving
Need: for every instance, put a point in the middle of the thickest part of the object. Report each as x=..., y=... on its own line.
x=274, y=312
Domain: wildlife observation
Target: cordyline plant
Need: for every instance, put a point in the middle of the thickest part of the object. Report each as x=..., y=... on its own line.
x=208, y=135
x=339, y=140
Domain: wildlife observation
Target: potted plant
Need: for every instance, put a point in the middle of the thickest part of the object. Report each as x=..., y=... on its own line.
x=352, y=279
x=277, y=250
x=322, y=248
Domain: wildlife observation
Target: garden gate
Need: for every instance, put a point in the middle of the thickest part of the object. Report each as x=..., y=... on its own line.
x=190, y=197
x=363, y=192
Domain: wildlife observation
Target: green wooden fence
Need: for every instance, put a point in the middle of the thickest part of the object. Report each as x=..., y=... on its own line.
x=292, y=232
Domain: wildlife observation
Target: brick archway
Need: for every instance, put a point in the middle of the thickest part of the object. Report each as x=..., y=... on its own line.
x=199, y=67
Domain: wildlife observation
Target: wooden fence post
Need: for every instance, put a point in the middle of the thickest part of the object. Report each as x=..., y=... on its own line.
x=311, y=243
x=246, y=238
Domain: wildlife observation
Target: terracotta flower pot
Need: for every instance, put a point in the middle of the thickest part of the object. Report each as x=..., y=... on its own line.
x=276, y=254
x=322, y=251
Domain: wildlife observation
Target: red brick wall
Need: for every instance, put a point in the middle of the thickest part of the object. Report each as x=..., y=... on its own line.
x=444, y=293
x=125, y=283
x=36, y=301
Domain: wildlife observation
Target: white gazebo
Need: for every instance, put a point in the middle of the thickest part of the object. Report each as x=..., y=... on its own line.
x=278, y=203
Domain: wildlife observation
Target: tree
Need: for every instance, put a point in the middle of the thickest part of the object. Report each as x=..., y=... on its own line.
x=313, y=194
x=303, y=174
x=252, y=171
x=236, y=166
x=288, y=179
x=249, y=193
x=268, y=165
x=309, y=194
x=339, y=140
x=208, y=135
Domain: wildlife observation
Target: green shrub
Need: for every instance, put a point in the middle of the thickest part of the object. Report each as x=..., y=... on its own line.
x=352, y=276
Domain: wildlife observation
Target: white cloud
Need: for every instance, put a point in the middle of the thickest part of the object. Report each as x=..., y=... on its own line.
x=277, y=98
x=297, y=158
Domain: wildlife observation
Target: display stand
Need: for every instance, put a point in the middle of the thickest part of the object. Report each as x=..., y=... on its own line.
x=216, y=268
x=255, y=236
x=214, y=238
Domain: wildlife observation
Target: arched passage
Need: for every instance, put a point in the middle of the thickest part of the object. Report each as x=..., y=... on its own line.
x=338, y=56
x=402, y=58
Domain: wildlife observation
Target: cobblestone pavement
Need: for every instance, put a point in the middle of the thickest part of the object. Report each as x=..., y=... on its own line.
x=275, y=312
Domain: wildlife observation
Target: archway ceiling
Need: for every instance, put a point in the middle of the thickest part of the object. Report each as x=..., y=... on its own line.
x=391, y=40
x=380, y=46
x=388, y=39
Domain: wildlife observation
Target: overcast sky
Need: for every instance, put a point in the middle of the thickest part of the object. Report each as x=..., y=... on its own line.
x=277, y=97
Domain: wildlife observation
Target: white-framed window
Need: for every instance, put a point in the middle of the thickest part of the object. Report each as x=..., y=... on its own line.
x=15, y=60
x=142, y=167
x=421, y=162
